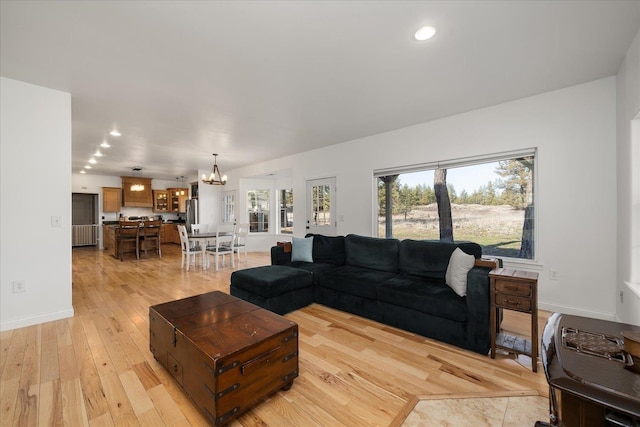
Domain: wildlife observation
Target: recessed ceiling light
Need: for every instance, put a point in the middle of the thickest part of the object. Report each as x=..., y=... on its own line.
x=87, y=167
x=115, y=133
x=425, y=33
x=83, y=171
x=97, y=153
x=92, y=160
x=105, y=144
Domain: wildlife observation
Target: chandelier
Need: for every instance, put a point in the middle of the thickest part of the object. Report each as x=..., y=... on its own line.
x=215, y=178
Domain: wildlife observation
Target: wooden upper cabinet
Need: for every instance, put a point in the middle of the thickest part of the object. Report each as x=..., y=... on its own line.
x=160, y=201
x=136, y=192
x=177, y=199
x=111, y=199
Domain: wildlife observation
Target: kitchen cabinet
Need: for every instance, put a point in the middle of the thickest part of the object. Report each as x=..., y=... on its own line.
x=169, y=234
x=109, y=239
x=177, y=199
x=160, y=201
x=111, y=199
x=166, y=233
x=136, y=192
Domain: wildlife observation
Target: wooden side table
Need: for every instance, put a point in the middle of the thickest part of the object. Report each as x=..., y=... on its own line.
x=514, y=290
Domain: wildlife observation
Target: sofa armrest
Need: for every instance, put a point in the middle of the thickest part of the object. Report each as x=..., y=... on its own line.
x=478, y=310
x=279, y=256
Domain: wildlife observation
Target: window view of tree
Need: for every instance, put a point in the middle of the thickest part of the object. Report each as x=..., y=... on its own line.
x=286, y=211
x=497, y=214
x=258, y=207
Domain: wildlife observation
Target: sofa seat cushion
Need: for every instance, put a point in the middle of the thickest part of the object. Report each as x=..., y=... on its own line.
x=358, y=281
x=271, y=280
x=433, y=297
x=313, y=267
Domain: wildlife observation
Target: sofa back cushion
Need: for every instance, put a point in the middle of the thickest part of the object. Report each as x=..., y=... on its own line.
x=371, y=252
x=328, y=250
x=430, y=259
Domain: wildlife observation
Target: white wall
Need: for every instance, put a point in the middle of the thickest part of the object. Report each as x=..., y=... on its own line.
x=628, y=148
x=35, y=153
x=209, y=201
x=574, y=130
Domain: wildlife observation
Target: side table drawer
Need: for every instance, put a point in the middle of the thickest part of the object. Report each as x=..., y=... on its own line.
x=510, y=287
x=513, y=302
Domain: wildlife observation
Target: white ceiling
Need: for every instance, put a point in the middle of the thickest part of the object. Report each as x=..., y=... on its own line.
x=260, y=80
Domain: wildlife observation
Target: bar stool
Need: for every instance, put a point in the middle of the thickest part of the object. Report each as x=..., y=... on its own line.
x=127, y=232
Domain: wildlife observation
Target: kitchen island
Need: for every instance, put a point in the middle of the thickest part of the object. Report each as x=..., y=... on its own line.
x=168, y=234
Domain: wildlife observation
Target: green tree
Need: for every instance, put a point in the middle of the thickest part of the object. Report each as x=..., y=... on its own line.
x=517, y=182
x=407, y=200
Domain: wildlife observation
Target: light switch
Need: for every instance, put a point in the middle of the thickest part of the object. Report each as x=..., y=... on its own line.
x=56, y=221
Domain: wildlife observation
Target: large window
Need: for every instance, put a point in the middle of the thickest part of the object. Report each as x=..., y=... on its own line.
x=258, y=209
x=230, y=207
x=286, y=211
x=487, y=200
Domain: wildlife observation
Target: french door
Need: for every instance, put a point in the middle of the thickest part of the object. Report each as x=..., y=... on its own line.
x=321, y=206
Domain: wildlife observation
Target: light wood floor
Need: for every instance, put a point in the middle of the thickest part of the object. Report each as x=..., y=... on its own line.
x=96, y=368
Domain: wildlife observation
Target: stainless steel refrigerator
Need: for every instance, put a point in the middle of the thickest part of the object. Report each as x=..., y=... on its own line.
x=191, y=216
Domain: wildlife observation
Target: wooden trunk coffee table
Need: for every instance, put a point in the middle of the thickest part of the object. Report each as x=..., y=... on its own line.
x=225, y=353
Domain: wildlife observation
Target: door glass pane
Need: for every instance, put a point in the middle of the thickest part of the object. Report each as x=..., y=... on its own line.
x=321, y=205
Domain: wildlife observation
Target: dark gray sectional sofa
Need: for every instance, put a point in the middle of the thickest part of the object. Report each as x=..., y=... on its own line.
x=399, y=283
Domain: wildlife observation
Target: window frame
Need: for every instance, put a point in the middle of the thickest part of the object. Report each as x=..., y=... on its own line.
x=462, y=162
x=229, y=209
x=279, y=202
x=266, y=191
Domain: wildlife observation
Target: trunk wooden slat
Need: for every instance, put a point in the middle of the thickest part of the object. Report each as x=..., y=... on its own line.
x=225, y=353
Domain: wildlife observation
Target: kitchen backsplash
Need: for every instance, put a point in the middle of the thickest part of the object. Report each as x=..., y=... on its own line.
x=114, y=216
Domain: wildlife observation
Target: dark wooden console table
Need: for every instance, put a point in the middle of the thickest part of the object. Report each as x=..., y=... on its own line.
x=592, y=381
x=514, y=290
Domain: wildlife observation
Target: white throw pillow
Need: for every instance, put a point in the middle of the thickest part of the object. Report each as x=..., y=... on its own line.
x=302, y=249
x=459, y=265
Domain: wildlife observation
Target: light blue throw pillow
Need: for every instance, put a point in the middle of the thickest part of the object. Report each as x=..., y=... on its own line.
x=302, y=249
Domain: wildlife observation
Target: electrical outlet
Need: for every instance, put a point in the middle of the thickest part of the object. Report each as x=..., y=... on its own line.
x=19, y=286
x=56, y=221
x=621, y=297
x=554, y=275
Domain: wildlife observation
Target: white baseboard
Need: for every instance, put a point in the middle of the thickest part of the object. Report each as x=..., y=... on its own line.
x=556, y=308
x=35, y=320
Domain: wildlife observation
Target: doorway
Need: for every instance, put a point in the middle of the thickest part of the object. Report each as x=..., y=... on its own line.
x=321, y=206
x=84, y=219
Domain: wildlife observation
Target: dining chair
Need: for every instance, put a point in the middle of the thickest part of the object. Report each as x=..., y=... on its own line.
x=128, y=232
x=150, y=233
x=189, y=253
x=200, y=228
x=242, y=231
x=225, y=237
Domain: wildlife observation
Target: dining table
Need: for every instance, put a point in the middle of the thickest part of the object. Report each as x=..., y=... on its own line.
x=202, y=237
x=205, y=239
